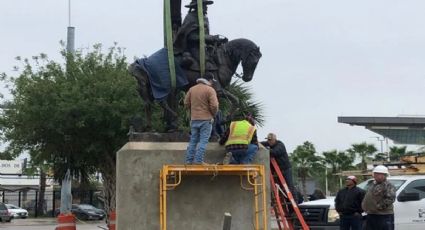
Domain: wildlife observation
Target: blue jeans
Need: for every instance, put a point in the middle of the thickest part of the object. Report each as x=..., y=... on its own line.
x=353, y=222
x=200, y=133
x=379, y=222
x=244, y=156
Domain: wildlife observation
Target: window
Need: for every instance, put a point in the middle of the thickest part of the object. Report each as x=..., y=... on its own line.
x=3, y=207
x=416, y=186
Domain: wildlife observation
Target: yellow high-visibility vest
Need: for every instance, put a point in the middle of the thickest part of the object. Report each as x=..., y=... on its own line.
x=241, y=132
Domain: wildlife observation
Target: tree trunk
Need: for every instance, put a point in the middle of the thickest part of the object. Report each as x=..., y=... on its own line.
x=304, y=183
x=40, y=207
x=109, y=183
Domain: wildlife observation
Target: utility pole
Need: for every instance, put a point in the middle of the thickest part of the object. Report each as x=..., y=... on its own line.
x=326, y=180
x=386, y=149
x=381, y=140
x=66, y=187
x=70, y=41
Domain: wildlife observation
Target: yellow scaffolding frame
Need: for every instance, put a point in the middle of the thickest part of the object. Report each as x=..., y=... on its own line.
x=171, y=176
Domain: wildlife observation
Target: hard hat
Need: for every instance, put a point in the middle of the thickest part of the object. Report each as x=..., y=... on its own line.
x=353, y=178
x=381, y=169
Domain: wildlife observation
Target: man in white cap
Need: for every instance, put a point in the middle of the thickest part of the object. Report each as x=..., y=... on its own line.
x=378, y=201
x=348, y=203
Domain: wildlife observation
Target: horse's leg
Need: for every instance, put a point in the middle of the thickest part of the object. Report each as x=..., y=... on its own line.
x=169, y=107
x=143, y=90
x=148, y=112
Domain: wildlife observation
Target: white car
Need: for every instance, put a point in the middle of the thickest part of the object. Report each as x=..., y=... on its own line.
x=409, y=206
x=16, y=211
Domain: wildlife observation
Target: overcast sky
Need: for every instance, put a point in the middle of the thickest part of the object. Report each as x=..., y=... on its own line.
x=321, y=58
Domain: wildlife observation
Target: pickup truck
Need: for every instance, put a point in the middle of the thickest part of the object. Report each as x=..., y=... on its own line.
x=409, y=206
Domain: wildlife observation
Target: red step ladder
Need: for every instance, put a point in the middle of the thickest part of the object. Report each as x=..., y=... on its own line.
x=283, y=200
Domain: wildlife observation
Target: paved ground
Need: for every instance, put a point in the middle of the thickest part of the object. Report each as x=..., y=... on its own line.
x=48, y=224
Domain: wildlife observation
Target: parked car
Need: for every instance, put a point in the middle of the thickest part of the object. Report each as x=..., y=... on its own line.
x=16, y=211
x=87, y=212
x=5, y=215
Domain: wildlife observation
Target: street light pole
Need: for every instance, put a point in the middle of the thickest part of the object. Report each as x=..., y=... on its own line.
x=382, y=143
x=386, y=149
x=326, y=180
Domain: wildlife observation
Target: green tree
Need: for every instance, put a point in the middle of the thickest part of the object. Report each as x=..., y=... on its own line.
x=75, y=118
x=246, y=103
x=305, y=161
x=397, y=152
x=337, y=162
x=364, y=151
x=380, y=157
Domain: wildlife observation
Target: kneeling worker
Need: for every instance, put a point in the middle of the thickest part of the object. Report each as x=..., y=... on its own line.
x=240, y=139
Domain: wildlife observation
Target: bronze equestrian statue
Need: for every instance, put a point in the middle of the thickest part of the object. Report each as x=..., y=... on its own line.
x=222, y=59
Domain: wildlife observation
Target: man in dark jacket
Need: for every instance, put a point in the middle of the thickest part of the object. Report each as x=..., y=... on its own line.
x=278, y=151
x=348, y=203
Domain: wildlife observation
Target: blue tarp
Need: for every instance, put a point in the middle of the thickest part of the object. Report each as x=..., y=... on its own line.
x=158, y=71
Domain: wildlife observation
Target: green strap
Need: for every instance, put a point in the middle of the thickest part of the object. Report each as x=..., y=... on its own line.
x=201, y=37
x=169, y=42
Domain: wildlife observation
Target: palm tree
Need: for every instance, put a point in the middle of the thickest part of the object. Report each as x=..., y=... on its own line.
x=380, y=157
x=397, y=152
x=304, y=158
x=364, y=151
x=345, y=161
x=246, y=103
x=337, y=161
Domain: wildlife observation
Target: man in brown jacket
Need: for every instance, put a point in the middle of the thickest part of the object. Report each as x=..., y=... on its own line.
x=202, y=101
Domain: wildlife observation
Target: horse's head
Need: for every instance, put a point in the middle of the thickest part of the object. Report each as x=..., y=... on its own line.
x=247, y=52
x=249, y=63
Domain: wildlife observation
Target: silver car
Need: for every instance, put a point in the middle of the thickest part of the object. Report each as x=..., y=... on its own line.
x=5, y=215
x=17, y=212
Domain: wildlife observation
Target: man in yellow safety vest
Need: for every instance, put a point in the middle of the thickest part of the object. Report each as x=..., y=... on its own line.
x=240, y=139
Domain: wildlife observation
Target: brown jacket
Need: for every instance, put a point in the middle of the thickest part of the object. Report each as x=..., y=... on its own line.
x=202, y=101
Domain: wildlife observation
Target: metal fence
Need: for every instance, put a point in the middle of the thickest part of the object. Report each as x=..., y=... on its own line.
x=28, y=199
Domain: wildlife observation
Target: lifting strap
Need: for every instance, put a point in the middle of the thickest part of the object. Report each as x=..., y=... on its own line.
x=201, y=37
x=169, y=42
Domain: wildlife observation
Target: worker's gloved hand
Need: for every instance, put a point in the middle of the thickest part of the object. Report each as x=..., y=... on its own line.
x=222, y=39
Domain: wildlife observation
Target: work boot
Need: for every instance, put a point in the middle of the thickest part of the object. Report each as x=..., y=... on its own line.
x=227, y=158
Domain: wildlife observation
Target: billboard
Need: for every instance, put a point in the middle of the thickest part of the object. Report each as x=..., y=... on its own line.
x=11, y=167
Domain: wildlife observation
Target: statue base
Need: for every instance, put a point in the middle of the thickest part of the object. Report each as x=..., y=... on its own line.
x=159, y=137
x=199, y=202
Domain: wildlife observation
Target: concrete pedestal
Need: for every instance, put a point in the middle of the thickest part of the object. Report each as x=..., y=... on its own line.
x=199, y=202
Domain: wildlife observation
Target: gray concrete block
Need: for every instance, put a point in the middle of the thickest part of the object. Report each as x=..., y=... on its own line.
x=199, y=202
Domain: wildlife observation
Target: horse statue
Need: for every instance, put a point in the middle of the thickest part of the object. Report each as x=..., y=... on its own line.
x=226, y=57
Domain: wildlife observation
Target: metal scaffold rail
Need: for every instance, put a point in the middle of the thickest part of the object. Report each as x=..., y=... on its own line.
x=172, y=175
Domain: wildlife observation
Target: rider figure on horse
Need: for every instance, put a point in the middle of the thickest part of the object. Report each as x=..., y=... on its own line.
x=186, y=43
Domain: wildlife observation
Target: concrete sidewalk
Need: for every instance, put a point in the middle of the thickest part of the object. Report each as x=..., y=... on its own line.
x=48, y=224
x=34, y=221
